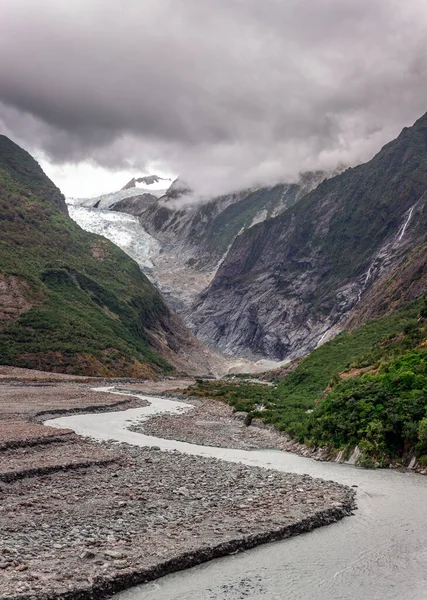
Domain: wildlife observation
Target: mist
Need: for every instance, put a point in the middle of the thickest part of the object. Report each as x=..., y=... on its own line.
x=228, y=94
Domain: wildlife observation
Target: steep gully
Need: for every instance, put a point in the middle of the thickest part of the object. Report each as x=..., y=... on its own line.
x=380, y=553
x=384, y=256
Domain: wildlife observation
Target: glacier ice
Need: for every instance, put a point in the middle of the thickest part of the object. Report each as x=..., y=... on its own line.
x=122, y=229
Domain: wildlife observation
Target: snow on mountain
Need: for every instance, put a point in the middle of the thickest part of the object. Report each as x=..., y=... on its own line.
x=150, y=182
x=106, y=201
x=152, y=187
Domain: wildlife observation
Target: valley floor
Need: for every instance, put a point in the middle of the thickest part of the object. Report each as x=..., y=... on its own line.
x=213, y=423
x=82, y=519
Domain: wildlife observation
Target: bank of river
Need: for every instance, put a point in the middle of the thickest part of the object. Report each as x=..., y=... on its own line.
x=379, y=554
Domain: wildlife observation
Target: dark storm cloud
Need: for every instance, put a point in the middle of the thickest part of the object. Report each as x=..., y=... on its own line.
x=228, y=92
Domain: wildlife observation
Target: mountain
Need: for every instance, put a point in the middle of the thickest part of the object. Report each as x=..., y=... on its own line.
x=137, y=193
x=201, y=232
x=195, y=235
x=106, y=201
x=71, y=301
x=147, y=180
x=288, y=283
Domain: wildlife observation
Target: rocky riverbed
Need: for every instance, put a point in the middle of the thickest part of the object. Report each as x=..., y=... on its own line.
x=135, y=514
x=82, y=519
x=213, y=423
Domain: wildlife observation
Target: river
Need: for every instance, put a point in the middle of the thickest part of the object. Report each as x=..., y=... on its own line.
x=378, y=554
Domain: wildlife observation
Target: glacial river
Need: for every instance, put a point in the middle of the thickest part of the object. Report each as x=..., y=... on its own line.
x=378, y=554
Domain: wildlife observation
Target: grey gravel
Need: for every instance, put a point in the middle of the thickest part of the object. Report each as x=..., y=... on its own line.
x=83, y=530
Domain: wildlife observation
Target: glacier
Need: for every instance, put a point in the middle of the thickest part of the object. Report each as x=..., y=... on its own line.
x=122, y=229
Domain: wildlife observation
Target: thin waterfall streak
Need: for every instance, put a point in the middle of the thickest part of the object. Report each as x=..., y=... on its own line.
x=406, y=223
x=322, y=338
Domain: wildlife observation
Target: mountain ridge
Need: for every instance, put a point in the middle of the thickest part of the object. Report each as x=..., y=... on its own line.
x=289, y=280
x=71, y=301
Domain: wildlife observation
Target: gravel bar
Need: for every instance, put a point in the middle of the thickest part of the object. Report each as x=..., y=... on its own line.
x=89, y=532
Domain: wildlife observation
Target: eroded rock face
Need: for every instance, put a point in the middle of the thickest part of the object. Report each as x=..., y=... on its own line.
x=15, y=297
x=393, y=289
x=287, y=283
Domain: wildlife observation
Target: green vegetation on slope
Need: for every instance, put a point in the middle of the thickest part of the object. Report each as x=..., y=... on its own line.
x=383, y=411
x=220, y=231
x=88, y=307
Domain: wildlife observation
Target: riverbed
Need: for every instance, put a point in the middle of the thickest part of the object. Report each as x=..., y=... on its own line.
x=378, y=554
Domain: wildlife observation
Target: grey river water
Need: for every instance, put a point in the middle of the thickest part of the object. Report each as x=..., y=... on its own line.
x=378, y=554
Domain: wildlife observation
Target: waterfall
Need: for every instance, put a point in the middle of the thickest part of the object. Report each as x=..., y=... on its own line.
x=405, y=225
x=386, y=251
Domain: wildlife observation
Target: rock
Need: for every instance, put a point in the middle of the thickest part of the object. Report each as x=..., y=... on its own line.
x=114, y=554
x=183, y=504
x=258, y=423
x=120, y=564
x=240, y=416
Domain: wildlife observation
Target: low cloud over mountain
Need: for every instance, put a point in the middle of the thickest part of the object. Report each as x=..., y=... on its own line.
x=226, y=93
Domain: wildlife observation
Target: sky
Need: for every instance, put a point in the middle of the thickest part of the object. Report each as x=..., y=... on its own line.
x=226, y=94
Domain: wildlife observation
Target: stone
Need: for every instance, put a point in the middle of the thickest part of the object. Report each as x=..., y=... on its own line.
x=114, y=554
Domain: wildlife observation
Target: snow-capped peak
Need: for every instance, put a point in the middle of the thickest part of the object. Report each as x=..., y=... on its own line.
x=150, y=186
x=148, y=183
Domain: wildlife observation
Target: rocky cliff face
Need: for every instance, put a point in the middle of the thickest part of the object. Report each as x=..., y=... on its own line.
x=392, y=290
x=71, y=301
x=287, y=283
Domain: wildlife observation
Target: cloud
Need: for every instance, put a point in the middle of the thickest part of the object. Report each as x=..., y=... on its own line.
x=228, y=93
